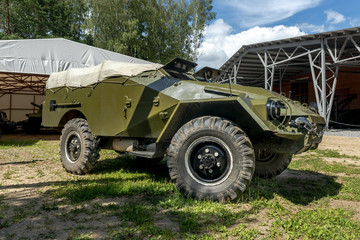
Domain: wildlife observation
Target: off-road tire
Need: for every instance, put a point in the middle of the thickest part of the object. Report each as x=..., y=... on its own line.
x=77, y=134
x=231, y=145
x=272, y=165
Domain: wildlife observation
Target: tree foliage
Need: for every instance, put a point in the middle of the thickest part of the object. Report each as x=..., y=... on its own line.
x=45, y=18
x=155, y=30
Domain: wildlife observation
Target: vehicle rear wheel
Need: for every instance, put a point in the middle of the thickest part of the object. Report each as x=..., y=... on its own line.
x=269, y=165
x=211, y=158
x=79, y=149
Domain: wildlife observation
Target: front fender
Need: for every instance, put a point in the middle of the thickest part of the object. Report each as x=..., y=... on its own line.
x=231, y=108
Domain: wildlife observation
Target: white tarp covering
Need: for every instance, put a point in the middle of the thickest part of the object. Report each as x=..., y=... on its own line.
x=45, y=56
x=80, y=77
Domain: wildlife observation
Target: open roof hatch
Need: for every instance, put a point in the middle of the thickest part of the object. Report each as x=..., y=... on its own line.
x=207, y=74
x=179, y=65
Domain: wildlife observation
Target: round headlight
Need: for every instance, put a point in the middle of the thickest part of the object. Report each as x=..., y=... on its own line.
x=273, y=109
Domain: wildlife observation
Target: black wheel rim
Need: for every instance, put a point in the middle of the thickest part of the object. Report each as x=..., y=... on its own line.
x=209, y=161
x=73, y=146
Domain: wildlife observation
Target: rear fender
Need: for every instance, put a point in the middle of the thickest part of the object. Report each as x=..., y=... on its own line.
x=54, y=120
x=70, y=115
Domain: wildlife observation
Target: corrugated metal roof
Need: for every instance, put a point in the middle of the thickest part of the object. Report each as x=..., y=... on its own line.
x=251, y=69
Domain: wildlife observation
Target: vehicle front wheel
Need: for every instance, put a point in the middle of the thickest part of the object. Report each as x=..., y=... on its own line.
x=211, y=158
x=269, y=165
x=79, y=149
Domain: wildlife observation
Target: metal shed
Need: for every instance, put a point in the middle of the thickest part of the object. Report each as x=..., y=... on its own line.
x=25, y=65
x=319, y=56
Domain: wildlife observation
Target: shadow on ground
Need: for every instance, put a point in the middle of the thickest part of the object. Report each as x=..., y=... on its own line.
x=125, y=176
x=298, y=186
x=17, y=143
x=22, y=136
x=157, y=169
x=20, y=163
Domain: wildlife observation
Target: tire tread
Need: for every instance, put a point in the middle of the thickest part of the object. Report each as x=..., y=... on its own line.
x=242, y=144
x=91, y=143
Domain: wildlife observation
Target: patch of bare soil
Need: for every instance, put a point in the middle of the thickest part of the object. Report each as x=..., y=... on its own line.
x=349, y=205
x=346, y=161
x=165, y=223
x=260, y=222
x=344, y=145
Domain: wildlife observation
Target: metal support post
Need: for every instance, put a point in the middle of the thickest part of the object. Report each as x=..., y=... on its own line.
x=323, y=80
x=265, y=69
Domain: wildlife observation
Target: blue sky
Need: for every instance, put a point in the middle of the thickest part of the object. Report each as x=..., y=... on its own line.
x=241, y=22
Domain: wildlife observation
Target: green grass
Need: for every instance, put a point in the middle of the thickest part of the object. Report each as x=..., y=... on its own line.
x=49, y=206
x=142, y=202
x=80, y=236
x=141, y=232
x=137, y=213
x=315, y=162
x=316, y=224
x=20, y=215
x=240, y=232
x=7, y=144
x=3, y=207
x=350, y=189
x=333, y=154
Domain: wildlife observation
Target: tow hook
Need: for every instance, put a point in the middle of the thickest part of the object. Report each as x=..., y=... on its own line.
x=302, y=122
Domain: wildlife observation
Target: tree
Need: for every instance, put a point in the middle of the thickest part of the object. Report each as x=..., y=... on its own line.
x=155, y=30
x=111, y=26
x=5, y=16
x=164, y=29
x=46, y=18
x=201, y=14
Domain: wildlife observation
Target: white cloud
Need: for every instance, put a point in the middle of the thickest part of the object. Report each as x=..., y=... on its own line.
x=311, y=28
x=220, y=44
x=333, y=17
x=250, y=13
x=354, y=22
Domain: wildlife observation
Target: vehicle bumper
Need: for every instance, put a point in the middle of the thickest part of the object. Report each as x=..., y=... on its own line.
x=295, y=140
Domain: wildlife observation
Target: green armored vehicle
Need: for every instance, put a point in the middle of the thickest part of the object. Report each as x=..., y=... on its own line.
x=215, y=136
x=6, y=126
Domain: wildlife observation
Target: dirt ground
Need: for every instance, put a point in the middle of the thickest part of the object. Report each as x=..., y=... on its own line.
x=22, y=186
x=344, y=145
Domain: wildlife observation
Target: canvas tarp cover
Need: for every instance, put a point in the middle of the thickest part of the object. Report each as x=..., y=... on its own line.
x=45, y=56
x=80, y=77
